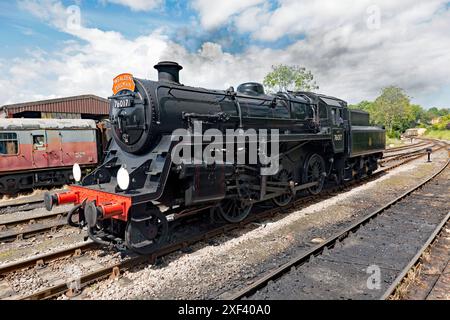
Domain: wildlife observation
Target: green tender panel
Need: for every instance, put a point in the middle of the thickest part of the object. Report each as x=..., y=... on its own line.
x=365, y=139
x=359, y=118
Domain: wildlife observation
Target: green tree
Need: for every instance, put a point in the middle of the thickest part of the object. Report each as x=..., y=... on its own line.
x=369, y=107
x=283, y=78
x=394, y=110
x=433, y=112
x=363, y=105
x=391, y=109
x=415, y=114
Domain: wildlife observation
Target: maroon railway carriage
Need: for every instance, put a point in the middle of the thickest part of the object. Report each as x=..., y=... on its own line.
x=42, y=152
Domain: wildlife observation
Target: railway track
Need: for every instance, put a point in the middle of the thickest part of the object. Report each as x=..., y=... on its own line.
x=44, y=259
x=116, y=268
x=410, y=146
x=407, y=154
x=27, y=224
x=24, y=202
x=21, y=205
x=32, y=228
x=336, y=264
x=426, y=276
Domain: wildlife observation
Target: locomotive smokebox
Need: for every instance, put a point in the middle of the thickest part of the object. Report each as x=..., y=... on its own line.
x=168, y=71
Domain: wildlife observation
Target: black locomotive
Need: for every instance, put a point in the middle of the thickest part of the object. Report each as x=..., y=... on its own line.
x=139, y=189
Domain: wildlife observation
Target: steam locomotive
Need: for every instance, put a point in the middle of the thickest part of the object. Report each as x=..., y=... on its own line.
x=131, y=199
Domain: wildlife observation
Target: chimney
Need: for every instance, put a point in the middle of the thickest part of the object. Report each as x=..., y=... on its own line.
x=168, y=71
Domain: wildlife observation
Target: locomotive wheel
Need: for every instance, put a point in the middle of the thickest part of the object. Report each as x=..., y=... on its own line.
x=145, y=234
x=314, y=169
x=233, y=210
x=283, y=200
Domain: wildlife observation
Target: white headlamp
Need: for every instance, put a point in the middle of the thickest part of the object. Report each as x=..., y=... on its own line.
x=123, y=178
x=76, y=172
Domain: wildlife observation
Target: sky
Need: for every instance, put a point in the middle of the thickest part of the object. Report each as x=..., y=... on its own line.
x=53, y=48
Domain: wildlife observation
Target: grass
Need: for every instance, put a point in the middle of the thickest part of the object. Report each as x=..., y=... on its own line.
x=438, y=134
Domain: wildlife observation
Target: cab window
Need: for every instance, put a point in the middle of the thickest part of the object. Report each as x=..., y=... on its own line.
x=336, y=116
x=8, y=143
x=340, y=116
x=38, y=142
x=323, y=111
x=333, y=116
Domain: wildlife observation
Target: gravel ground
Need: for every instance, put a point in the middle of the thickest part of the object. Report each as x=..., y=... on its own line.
x=211, y=271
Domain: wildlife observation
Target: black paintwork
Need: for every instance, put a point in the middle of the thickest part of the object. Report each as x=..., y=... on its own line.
x=143, y=122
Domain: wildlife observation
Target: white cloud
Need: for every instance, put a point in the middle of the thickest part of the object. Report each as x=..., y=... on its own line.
x=138, y=5
x=349, y=57
x=250, y=19
x=307, y=17
x=50, y=11
x=411, y=49
x=216, y=13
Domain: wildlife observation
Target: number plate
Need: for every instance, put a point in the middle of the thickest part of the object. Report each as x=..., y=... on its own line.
x=122, y=103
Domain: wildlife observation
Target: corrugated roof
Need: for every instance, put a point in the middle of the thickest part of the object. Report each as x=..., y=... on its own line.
x=86, y=104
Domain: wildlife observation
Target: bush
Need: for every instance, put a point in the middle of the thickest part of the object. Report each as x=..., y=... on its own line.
x=443, y=124
x=394, y=135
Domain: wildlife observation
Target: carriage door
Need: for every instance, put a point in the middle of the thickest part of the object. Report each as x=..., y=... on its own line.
x=54, y=148
x=39, y=149
x=337, y=128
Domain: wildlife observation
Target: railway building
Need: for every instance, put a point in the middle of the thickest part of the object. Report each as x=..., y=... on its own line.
x=76, y=107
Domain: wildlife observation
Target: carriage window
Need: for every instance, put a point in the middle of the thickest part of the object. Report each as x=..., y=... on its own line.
x=8, y=143
x=38, y=142
x=333, y=115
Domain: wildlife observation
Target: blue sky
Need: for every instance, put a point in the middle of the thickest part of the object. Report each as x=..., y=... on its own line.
x=24, y=30
x=228, y=42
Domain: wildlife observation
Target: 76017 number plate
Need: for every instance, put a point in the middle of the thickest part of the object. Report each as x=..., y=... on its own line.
x=121, y=103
